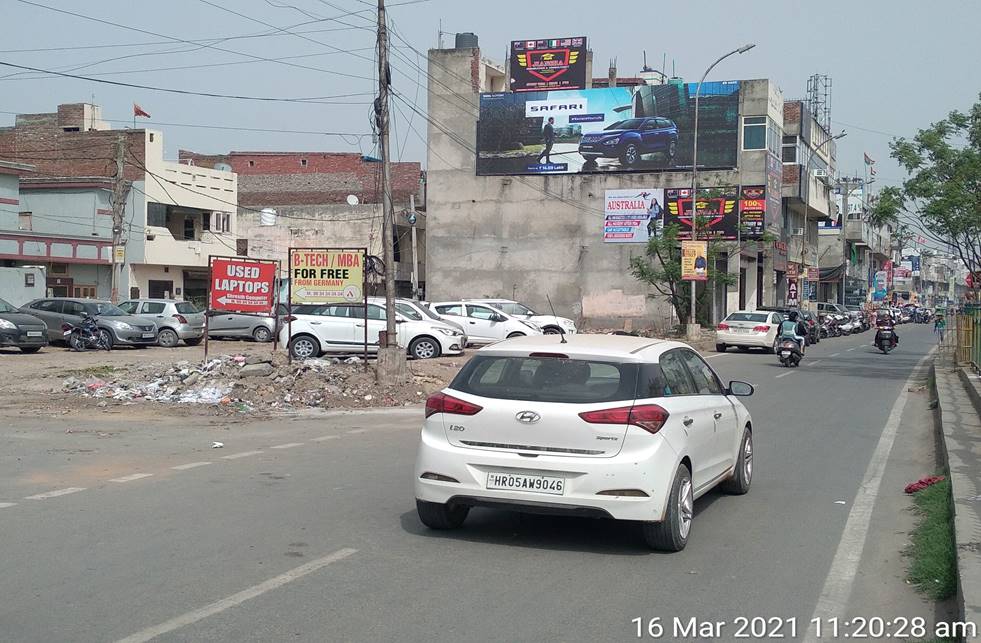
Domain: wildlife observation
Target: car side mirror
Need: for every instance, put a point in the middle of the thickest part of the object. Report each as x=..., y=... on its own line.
x=741, y=389
x=499, y=318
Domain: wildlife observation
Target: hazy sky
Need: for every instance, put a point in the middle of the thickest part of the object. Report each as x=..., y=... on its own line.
x=895, y=65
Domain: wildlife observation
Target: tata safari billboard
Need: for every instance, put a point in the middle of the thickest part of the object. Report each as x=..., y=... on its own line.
x=616, y=129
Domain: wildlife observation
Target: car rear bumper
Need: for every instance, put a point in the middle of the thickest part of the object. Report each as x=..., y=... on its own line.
x=650, y=470
x=189, y=332
x=738, y=339
x=19, y=338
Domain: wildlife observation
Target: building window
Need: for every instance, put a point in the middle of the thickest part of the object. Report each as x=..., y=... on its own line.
x=754, y=132
x=221, y=222
x=156, y=215
x=59, y=269
x=151, y=137
x=24, y=221
x=84, y=292
x=251, y=163
x=188, y=229
x=789, y=151
x=303, y=162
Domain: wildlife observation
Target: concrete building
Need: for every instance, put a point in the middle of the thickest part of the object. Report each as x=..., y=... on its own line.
x=309, y=192
x=175, y=216
x=539, y=236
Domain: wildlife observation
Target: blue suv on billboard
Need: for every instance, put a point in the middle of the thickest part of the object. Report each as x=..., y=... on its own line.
x=630, y=139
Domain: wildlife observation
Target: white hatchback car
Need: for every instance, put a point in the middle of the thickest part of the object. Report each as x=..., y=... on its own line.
x=340, y=328
x=550, y=324
x=605, y=426
x=484, y=324
x=747, y=329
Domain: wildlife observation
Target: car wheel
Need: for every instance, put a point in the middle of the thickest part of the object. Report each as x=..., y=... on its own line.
x=194, y=341
x=552, y=330
x=436, y=515
x=671, y=534
x=424, y=348
x=630, y=155
x=304, y=347
x=29, y=349
x=261, y=334
x=721, y=348
x=513, y=335
x=167, y=338
x=672, y=150
x=106, y=339
x=742, y=477
x=773, y=349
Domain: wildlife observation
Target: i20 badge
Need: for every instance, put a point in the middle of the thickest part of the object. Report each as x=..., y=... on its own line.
x=527, y=417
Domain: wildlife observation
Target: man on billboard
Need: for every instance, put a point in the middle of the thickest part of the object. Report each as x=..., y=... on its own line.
x=548, y=137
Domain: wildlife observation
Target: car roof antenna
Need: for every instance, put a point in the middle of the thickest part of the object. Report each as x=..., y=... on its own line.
x=552, y=308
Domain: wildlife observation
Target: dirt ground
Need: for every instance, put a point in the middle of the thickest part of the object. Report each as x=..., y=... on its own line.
x=57, y=381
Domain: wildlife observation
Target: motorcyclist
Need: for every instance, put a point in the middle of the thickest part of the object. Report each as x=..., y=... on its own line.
x=793, y=328
x=885, y=319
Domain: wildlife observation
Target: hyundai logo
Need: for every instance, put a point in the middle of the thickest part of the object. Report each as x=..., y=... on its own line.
x=527, y=417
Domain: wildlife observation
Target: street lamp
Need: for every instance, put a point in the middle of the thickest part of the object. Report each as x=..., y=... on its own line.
x=807, y=191
x=692, y=323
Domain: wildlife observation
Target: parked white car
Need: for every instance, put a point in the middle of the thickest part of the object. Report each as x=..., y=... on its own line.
x=419, y=310
x=550, y=324
x=606, y=426
x=340, y=328
x=747, y=329
x=484, y=324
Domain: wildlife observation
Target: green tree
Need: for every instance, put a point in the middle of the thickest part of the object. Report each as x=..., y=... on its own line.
x=941, y=199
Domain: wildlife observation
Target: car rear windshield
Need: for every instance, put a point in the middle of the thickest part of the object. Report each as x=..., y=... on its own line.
x=186, y=308
x=748, y=317
x=547, y=379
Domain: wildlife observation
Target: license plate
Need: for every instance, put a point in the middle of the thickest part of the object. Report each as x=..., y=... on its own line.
x=887, y=334
x=148, y=335
x=784, y=353
x=521, y=482
x=33, y=333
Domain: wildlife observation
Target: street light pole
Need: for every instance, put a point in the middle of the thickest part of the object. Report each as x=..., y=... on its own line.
x=692, y=329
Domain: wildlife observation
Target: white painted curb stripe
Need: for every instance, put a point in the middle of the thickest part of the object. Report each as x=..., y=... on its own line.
x=833, y=602
x=55, y=494
x=131, y=477
x=324, y=438
x=288, y=445
x=236, y=456
x=236, y=599
x=4, y=505
x=785, y=374
x=189, y=465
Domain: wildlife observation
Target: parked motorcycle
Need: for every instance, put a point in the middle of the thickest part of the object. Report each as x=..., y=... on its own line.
x=789, y=352
x=885, y=338
x=85, y=336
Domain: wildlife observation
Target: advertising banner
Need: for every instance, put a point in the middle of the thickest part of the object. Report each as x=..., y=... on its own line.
x=880, y=285
x=242, y=285
x=793, y=270
x=780, y=256
x=694, y=260
x=633, y=216
x=774, y=189
x=717, y=212
x=793, y=292
x=752, y=211
x=615, y=129
x=811, y=290
x=538, y=65
x=814, y=274
x=327, y=276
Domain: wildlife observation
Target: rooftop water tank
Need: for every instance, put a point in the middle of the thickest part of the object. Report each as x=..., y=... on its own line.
x=267, y=217
x=466, y=40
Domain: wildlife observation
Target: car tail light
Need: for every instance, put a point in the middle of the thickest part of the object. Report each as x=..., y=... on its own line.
x=722, y=326
x=289, y=318
x=763, y=328
x=181, y=319
x=549, y=355
x=443, y=403
x=649, y=417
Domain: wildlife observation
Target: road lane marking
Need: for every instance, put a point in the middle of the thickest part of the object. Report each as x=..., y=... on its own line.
x=835, y=596
x=55, y=494
x=189, y=465
x=835, y=354
x=131, y=477
x=717, y=355
x=236, y=456
x=852, y=348
x=4, y=505
x=785, y=374
x=237, y=599
x=353, y=431
x=324, y=438
x=288, y=445
x=815, y=362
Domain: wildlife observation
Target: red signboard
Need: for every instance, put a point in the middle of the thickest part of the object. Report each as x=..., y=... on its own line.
x=814, y=274
x=242, y=285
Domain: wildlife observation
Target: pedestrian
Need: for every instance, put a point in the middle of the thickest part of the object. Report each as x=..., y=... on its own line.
x=548, y=137
x=939, y=326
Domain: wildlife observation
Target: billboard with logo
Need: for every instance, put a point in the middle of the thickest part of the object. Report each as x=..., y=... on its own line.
x=718, y=215
x=752, y=211
x=633, y=216
x=538, y=65
x=615, y=129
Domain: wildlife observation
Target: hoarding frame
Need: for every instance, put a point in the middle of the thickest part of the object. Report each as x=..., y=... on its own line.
x=208, y=310
x=578, y=66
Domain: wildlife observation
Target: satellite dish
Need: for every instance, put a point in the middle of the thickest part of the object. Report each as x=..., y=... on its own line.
x=352, y=200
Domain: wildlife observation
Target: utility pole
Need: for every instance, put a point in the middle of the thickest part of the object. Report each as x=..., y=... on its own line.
x=415, y=247
x=392, y=367
x=848, y=184
x=120, y=191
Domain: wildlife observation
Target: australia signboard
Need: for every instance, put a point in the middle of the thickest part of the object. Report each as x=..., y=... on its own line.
x=633, y=215
x=242, y=285
x=548, y=65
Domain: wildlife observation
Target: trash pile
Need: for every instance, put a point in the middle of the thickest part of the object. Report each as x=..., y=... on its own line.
x=256, y=383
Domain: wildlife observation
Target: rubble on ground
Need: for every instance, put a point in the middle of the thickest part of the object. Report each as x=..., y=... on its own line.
x=260, y=383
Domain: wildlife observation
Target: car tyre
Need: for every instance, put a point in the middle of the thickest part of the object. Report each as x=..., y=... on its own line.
x=721, y=348
x=630, y=155
x=261, y=334
x=671, y=151
x=424, y=348
x=742, y=476
x=304, y=347
x=437, y=515
x=671, y=534
x=552, y=330
x=193, y=341
x=515, y=334
x=29, y=349
x=167, y=338
x=773, y=349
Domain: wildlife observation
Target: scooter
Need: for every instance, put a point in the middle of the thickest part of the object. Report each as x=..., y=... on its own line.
x=885, y=339
x=789, y=352
x=85, y=336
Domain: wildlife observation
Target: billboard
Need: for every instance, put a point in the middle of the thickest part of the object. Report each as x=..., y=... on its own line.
x=752, y=211
x=242, y=285
x=633, y=216
x=614, y=129
x=793, y=292
x=774, y=189
x=538, y=65
x=717, y=212
x=327, y=275
x=694, y=260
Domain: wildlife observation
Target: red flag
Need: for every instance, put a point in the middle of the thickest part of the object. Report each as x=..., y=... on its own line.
x=138, y=111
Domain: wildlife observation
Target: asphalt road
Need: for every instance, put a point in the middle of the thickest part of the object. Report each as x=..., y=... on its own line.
x=304, y=529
